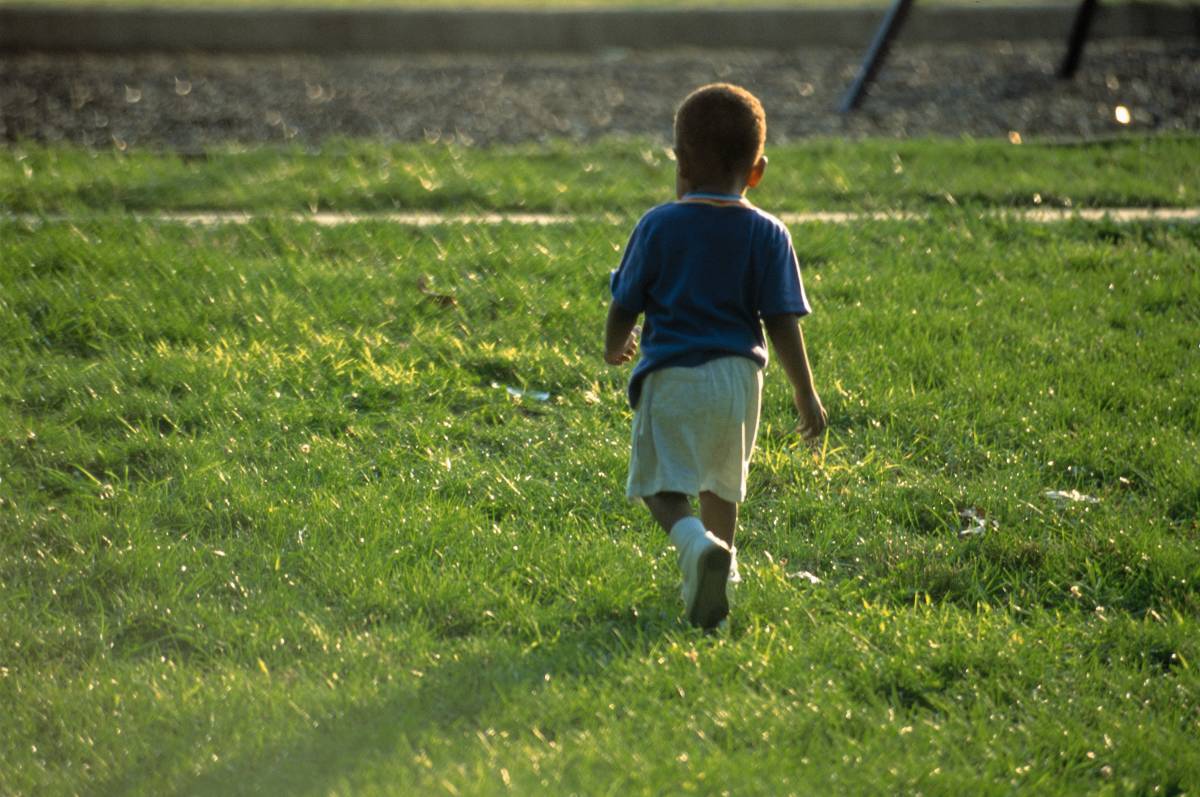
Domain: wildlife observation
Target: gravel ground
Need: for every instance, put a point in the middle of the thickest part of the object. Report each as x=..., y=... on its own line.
x=189, y=102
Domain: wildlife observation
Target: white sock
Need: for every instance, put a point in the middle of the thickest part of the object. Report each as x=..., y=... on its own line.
x=685, y=531
x=735, y=576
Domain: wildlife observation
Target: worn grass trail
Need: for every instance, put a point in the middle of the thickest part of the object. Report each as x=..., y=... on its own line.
x=271, y=522
x=213, y=218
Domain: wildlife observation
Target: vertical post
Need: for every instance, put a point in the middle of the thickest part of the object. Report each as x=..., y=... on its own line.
x=1079, y=34
x=875, y=54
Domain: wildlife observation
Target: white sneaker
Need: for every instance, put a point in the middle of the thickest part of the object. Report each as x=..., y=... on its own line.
x=705, y=566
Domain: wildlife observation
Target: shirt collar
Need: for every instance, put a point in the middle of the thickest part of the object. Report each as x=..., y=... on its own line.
x=705, y=198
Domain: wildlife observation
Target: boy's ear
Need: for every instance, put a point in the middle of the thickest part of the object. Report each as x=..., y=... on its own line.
x=756, y=172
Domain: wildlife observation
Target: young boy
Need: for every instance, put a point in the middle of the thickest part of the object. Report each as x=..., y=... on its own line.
x=709, y=271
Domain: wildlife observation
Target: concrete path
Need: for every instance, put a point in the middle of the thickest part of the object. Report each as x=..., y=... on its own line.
x=431, y=219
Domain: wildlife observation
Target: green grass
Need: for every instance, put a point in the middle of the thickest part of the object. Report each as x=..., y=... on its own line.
x=268, y=525
x=614, y=176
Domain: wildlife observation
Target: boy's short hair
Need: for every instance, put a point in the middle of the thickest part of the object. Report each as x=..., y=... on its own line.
x=720, y=130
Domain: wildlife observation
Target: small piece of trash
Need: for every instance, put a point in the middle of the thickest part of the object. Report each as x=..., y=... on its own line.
x=807, y=576
x=977, y=524
x=1071, y=496
x=516, y=392
x=440, y=299
x=536, y=395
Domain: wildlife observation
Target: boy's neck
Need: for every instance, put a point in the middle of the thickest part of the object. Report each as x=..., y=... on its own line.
x=683, y=187
x=726, y=189
x=735, y=185
x=719, y=190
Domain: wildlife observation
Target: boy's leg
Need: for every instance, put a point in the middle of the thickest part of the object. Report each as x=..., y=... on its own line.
x=668, y=508
x=703, y=557
x=719, y=516
x=673, y=511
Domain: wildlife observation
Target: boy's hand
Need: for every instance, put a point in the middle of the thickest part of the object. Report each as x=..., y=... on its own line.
x=813, y=418
x=620, y=335
x=788, y=340
x=627, y=352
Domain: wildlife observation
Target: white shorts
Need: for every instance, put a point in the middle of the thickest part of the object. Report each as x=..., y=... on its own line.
x=694, y=430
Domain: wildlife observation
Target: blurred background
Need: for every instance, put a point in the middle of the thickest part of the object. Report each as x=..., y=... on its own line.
x=164, y=75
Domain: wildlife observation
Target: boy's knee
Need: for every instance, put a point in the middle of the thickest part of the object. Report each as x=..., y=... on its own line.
x=712, y=499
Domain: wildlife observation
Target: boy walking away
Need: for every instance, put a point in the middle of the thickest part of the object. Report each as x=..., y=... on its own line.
x=708, y=271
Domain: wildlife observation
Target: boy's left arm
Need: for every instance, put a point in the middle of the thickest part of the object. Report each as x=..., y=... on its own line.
x=620, y=335
x=788, y=340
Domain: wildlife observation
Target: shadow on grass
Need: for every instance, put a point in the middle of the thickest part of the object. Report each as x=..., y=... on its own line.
x=452, y=698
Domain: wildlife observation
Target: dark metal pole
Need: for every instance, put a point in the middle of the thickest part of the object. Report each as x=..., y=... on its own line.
x=875, y=55
x=1079, y=33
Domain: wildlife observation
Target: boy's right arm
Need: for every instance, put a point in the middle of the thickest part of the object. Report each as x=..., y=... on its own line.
x=788, y=341
x=620, y=337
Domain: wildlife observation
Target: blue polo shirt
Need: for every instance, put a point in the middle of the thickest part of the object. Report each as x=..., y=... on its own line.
x=705, y=270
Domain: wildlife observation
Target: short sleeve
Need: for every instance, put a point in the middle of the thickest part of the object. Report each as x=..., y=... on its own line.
x=780, y=290
x=628, y=283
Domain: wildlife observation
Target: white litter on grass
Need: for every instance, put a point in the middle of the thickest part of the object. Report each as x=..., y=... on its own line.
x=977, y=523
x=1063, y=497
x=806, y=576
x=516, y=392
x=977, y=528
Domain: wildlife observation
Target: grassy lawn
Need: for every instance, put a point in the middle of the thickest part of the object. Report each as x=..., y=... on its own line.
x=624, y=177
x=271, y=523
